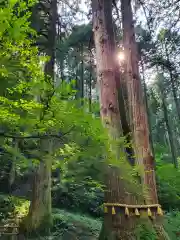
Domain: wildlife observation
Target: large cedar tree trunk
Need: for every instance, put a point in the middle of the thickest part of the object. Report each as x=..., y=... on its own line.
x=138, y=115
x=115, y=226
x=39, y=216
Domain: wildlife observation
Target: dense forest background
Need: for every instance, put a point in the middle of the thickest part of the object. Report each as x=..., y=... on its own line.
x=60, y=63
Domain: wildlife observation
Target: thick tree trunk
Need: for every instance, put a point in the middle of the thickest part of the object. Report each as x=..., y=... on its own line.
x=116, y=226
x=39, y=217
x=138, y=115
x=40, y=208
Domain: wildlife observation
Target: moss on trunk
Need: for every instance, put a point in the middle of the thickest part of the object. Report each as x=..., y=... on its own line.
x=39, y=217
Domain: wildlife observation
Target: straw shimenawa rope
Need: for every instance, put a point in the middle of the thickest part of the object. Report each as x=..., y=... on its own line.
x=135, y=208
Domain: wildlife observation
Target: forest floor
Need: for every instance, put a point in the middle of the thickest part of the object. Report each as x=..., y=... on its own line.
x=73, y=226
x=66, y=225
x=76, y=226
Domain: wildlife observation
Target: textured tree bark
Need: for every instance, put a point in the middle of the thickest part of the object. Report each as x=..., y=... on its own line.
x=138, y=115
x=147, y=107
x=12, y=173
x=90, y=91
x=40, y=216
x=174, y=91
x=115, y=226
x=82, y=74
x=168, y=127
x=173, y=84
x=123, y=108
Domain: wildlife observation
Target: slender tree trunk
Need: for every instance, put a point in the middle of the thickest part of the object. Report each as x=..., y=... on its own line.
x=174, y=91
x=90, y=90
x=82, y=75
x=61, y=62
x=12, y=173
x=51, y=47
x=77, y=81
x=168, y=127
x=173, y=86
x=147, y=108
x=123, y=108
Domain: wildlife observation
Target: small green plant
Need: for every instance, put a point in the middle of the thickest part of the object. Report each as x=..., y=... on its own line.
x=172, y=224
x=145, y=232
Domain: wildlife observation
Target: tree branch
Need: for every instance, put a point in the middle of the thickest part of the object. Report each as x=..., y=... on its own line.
x=59, y=136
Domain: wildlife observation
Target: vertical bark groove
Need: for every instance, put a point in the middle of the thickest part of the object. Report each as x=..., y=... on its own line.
x=138, y=116
x=40, y=213
x=117, y=226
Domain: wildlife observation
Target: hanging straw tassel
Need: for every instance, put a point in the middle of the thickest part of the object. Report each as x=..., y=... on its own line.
x=149, y=212
x=126, y=211
x=159, y=211
x=113, y=211
x=137, y=212
x=105, y=209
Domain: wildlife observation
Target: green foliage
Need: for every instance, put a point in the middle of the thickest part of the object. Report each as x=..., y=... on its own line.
x=79, y=196
x=70, y=225
x=12, y=207
x=21, y=114
x=172, y=225
x=80, y=35
x=168, y=186
x=144, y=231
x=6, y=208
x=31, y=106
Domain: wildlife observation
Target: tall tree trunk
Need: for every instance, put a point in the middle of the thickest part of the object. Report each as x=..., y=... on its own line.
x=117, y=226
x=90, y=90
x=40, y=214
x=174, y=91
x=12, y=173
x=61, y=61
x=147, y=107
x=123, y=108
x=40, y=208
x=173, y=85
x=82, y=74
x=168, y=127
x=138, y=115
